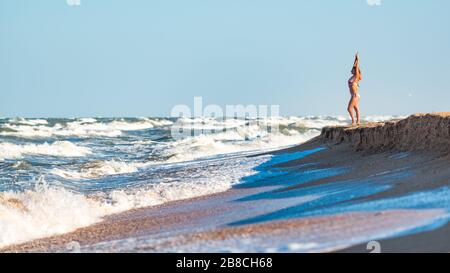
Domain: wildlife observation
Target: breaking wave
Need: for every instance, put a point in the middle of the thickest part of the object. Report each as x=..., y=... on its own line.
x=49, y=210
x=58, y=148
x=83, y=127
x=98, y=168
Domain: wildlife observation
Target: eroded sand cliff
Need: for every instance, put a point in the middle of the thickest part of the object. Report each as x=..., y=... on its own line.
x=419, y=132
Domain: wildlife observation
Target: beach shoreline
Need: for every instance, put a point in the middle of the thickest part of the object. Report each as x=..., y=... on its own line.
x=335, y=192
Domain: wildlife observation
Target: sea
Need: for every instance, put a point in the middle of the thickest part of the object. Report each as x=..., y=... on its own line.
x=60, y=174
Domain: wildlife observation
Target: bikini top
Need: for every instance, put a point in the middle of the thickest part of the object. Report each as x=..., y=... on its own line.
x=352, y=81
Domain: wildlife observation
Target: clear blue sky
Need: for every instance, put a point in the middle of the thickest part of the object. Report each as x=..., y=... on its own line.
x=141, y=57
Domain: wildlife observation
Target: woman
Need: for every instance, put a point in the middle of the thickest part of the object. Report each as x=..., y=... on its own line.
x=353, y=84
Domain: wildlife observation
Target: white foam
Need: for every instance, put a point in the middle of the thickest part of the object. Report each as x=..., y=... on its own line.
x=48, y=211
x=308, y=122
x=83, y=127
x=380, y=118
x=237, y=135
x=99, y=168
x=58, y=148
x=43, y=212
x=87, y=120
x=28, y=121
x=233, y=141
x=301, y=247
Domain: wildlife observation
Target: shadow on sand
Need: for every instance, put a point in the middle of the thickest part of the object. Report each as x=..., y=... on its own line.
x=280, y=180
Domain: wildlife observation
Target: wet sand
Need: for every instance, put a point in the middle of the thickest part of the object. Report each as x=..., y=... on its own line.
x=274, y=212
x=435, y=241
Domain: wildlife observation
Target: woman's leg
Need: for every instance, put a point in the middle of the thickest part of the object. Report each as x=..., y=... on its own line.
x=356, y=107
x=350, y=107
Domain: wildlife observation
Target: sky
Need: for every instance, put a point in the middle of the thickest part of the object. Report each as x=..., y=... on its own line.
x=110, y=58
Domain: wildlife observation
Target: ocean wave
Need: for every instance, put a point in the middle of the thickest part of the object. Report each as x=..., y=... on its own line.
x=50, y=210
x=58, y=148
x=114, y=126
x=28, y=121
x=98, y=168
x=83, y=127
x=242, y=139
x=87, y=120
x=294, y=122
x=380, y=118
x=238, y=141
x=92, y=127
x=212, y=137
x=43, y=212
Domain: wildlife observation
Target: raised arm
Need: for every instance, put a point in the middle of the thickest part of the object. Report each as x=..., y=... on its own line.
x=356, y=66
x=356, y=62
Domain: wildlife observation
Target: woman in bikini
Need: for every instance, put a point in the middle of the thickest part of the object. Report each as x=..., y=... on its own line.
x=353, y=84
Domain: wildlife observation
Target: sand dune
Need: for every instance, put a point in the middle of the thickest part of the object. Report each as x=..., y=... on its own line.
x=420, y=132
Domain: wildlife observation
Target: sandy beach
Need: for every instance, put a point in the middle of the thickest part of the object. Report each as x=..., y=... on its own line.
x=350, y=185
